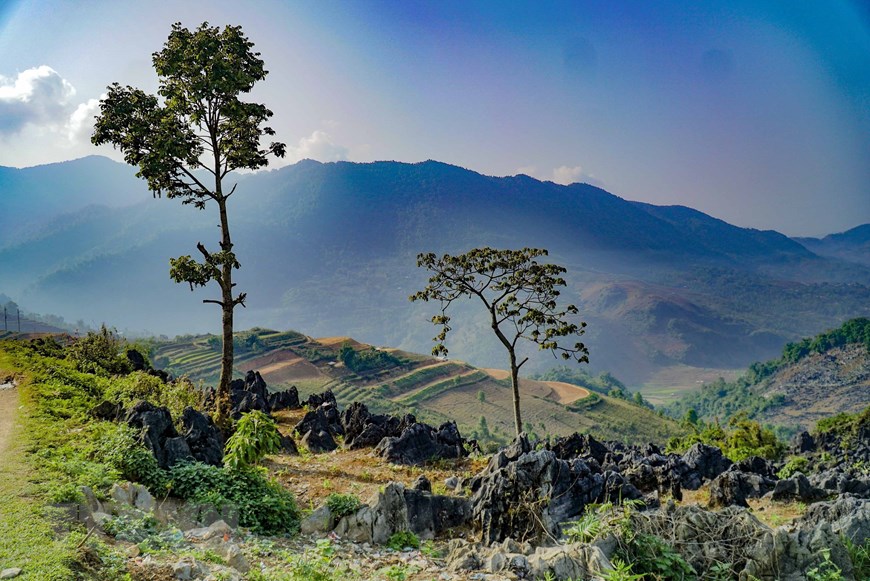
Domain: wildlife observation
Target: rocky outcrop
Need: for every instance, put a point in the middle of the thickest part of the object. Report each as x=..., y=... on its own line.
x=703, y=463
x=527, y=494
x=420, y=443
x=203, y=437
x=404, y=509
x=252, y=393
x=363, y=429
x=733, y=487
x=158, y=433
x=753, y=550
x=200, y=439
x=848, y=516
x=523, y=561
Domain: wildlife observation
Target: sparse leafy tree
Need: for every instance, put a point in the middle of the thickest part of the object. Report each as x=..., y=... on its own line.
x=187, y=139
x=518, y=292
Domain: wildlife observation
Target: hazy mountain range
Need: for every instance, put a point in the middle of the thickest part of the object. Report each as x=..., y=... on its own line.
x=329, y=249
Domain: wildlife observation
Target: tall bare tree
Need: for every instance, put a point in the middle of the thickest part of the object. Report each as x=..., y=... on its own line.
x=519, y=294
x=188, y=138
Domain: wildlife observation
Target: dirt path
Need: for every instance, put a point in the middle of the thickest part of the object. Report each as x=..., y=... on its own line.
x=8, y=407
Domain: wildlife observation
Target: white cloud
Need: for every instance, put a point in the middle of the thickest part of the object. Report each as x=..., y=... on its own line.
x=567, y=175
x=80, y=124
x=319, y=146
x=37, y=96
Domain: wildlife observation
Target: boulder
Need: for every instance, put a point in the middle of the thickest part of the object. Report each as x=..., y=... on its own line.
x=525, y=493
x=802, y=443
x=319, y=441
x=579, y=445
x=848, y=516
x=420, y=443
x=797, y=487
x=733, y=487
x=703, y=463
x=404, y=509
x=155, y=423
x=203, y=437
x=365, y=430
x=284, y=400
x=288, y=446
x=563, y=563
x=324, y=418
x=107, y=411
x=315, y=400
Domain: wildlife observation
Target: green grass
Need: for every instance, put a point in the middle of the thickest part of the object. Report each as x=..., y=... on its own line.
x=28, y=537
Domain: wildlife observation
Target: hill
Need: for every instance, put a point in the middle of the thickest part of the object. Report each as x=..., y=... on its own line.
x=852, y=245
x=813, y=379
x=330, y=249
x=398, y=382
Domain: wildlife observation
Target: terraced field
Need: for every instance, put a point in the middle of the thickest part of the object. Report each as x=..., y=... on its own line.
x=434, y=390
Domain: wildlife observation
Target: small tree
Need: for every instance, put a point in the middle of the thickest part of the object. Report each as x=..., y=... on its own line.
x=196, y=131
x=519, y=294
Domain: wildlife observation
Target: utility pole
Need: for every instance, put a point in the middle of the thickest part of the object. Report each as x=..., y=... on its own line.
x=18, y=311
x=5, y=326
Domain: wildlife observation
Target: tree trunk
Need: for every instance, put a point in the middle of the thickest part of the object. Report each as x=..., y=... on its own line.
x=223, y=391
x=515, y=384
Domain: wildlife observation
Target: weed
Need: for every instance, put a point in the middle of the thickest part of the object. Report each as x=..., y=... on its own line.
x=860, y=557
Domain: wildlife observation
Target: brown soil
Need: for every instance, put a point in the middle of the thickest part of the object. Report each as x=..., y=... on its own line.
x=566, y=392
x=313, y=477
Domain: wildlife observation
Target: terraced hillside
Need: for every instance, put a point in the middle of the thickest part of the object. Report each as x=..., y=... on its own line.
x=435, y=390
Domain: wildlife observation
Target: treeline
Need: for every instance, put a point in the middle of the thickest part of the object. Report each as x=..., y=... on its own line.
x=722, y=399
x=604, y=383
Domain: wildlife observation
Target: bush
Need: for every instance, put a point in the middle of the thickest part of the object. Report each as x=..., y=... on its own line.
x=402, y=539
x=124, y=451
x=264, y=505
x=139, y=385
x=343, y=504
x=256, y=436
x=795, y=464
x=99, y=353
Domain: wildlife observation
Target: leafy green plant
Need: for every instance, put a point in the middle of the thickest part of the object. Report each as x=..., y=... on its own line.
x=122, y=448
x=401, y=539
x=395, y=572
x=256, y=436
x=622, y=572
x=827, y=570
x=585, y=529
x=652, y=556
x=264, y=505
x=343, y=504
x=794, y=465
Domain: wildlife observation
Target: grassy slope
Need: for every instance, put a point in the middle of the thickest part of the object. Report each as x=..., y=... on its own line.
x=27, y=535
x=433, y=390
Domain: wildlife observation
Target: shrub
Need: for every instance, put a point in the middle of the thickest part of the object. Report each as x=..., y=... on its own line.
x=795, y=464
x=256, y=436
x=264, y=505
x=402, y=539
x=123, y=450
x=343, y=504
x=100, y=353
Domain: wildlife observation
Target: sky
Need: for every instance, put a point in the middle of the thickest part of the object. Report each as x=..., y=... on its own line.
x=756, y=112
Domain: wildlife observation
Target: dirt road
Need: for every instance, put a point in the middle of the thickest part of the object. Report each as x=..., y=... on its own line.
x=8, y=407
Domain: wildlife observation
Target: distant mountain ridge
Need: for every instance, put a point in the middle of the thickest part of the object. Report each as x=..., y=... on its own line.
x=329, y=249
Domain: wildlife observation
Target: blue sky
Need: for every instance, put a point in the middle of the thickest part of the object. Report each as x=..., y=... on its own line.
x=755, y=112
